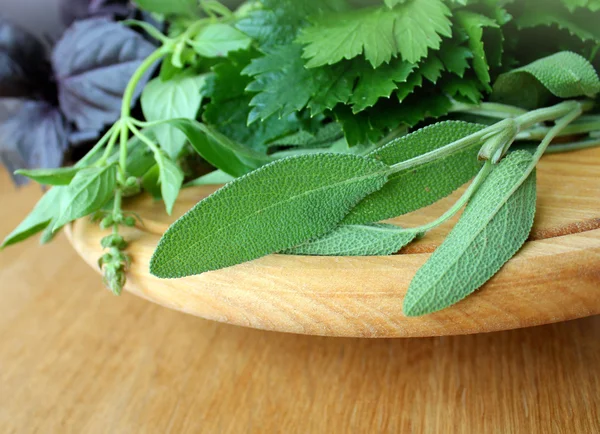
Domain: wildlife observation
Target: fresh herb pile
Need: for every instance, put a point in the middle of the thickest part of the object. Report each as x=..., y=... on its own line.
x=321, y=116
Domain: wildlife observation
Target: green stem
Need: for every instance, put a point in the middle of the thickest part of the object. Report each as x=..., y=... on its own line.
x=489, y=109
x=111, y=144
x=96, y=147
x=588, y=125
x=153, y=146
x=566, y=147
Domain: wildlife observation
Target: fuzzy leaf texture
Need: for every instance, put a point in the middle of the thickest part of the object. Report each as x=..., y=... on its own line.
x=89, y=190
x=564, y=74
x=357, y=240
x=417, y=187
x=493, y=227
x=274, y=208
x=408, y=30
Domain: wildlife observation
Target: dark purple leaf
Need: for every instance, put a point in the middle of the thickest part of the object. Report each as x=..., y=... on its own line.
x=24, y=68
x=73, y=10
x=33, y=134
x=93, y=63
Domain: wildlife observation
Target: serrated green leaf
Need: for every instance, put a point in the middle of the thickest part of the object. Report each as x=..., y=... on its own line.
x=408, y=30
x=455, y=58
x=493, y=227
x=357, y=240
x=271, y=209
x=179, y=97
x=431, y=68
x=218, y=39
x=466, y=89
x=421, y=186
x=89, y=190
x=38, y=219
x=564, y=74
x=171, y=179
x=60, y=176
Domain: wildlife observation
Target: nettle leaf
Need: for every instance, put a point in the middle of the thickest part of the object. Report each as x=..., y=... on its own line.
x=217, y=40
x=60, y=176
x=94, y=61
x=35, y=135
x=179, y=97
x=357, y=240
x=564, y=74
x=423, y=185
x=271, y=209
x=38, y=219
x=89, y=190
x=473, y=24
x=493, y=227
x=24, y=68
x=408, y=30
x=171, y=180
x=170, y=7
x=220, y=151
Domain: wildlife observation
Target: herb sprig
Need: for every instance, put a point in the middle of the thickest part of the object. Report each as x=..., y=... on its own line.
x=322, y=135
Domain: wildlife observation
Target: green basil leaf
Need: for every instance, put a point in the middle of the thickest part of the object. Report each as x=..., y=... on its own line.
x=212, y=178
x=151, y=182
x=179, y=97
x=418, y=187
x=218, y=150
x=171, y=179
x=38, y=219
x=493, y=227
x=169, y=7
x=60, y=176
x=269, y=210
x=357, y=240
x=217, y=40
x=89, y=190
x=564, y=74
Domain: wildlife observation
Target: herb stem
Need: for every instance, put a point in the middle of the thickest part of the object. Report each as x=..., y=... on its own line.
x=566, y=147
x=489, y=109
x=144, y=139
x=97, y=146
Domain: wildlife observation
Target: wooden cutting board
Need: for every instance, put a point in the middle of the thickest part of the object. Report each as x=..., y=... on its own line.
x=555, y=277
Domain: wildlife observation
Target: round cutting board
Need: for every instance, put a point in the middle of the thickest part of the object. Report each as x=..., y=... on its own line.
x=555, y=277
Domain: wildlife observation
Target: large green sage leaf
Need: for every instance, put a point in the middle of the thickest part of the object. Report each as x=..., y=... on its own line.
x=91, y=188
x=493, y=227
x=378, y=239
x=415, y=188
x=274, y=208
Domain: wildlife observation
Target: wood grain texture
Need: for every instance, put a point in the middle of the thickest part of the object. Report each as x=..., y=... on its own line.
x=75, y=359
x=555, y=277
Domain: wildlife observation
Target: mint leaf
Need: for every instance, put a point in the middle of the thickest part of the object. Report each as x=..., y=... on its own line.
x=217, y=40
x=271, y=209
x=60, y=176
x=418, y=187
x=178, y=97
x=357, y=240
x=89, y=190
x=491, y=230
x=171, y=179
x=38, y=219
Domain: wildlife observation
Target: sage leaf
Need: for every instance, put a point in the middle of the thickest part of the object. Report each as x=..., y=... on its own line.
x=493, y=227
x=564, y=74
x=378, y=239
x=60, y=176
x=220, y=151
x=89, y=190
x=271, y=209
x=417, y=187
x=38, y=219
x=171, y=179
x=178, y=97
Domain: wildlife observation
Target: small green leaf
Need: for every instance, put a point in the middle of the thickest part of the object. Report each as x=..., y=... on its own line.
x=171, y=179
x=357, y=240
x=179, y=97
x=60, y=176
x=564, y=74
x=271, y=209
x=218, y=150
x=169, y=7
x=151, y=182
x=217, y=40
x=212, y=178
x=415, y=188
x=39, y=218
x=493, y=227
x=89, y=190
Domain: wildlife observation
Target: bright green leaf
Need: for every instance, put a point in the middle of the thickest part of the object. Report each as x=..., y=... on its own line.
x=217, y=40
x=169, y=7
x=491, y=230
x=60, y=176
x=171, y=179
x=271, y=209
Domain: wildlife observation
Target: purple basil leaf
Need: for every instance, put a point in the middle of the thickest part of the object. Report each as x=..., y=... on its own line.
x=93, y=63
x=73, y=10
x=24, y=68
x=32, y=135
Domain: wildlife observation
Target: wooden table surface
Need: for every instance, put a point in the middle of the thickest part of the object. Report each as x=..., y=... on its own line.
x=74, y=358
